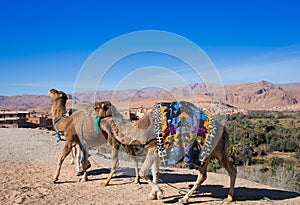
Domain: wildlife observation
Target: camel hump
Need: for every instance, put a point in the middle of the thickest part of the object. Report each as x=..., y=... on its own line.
x=144, y=122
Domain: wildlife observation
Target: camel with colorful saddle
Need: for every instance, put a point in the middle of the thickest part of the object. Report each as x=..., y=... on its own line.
x=172, y=132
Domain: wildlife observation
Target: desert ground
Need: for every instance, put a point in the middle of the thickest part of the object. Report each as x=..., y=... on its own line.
x=28, y=162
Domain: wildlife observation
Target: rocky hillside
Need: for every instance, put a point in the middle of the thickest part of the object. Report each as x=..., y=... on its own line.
x=24, y=102
x=249, y=96
x=292, y=88
x=261, y=96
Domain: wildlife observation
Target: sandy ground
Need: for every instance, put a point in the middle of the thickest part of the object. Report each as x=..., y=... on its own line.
x=28, y=161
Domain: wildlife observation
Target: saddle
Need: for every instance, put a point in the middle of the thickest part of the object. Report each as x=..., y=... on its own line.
x=183, y=132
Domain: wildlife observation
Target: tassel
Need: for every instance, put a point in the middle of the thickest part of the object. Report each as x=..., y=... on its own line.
x=97, y=125
x=83, y=157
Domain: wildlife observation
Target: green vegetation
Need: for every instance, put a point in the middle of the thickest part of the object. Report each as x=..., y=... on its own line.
x=266, y=142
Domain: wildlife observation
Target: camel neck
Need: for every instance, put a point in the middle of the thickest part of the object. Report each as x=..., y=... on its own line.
x=58, y=108
x=121, y=122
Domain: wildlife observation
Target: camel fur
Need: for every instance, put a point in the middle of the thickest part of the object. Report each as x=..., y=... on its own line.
x=78, y=129
x=125, y=132
x=114, y=124
x=76, y=152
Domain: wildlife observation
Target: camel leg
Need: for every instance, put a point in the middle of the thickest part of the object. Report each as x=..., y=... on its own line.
x=136, y=168
x=84, y=168
x=232, y=173
x=85, y=163
x=155, y=170
x=152, y=159
x=155, y=174
x=115, y=163
x=202, y=175
x=73, y=155
x=78, y=161
x=67, y=149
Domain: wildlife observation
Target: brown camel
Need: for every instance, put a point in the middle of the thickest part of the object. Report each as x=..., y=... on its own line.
x=78, y=129
x=113, y=124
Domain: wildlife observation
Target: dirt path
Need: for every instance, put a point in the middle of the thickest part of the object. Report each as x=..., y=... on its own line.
x=29, y=159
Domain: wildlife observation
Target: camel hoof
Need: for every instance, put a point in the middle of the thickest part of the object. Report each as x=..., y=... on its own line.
x=55, y=180
x=136, y=181
x=228, y=199
x=151, y=196
x=79, y=174
x=183, y=201
x=83, y=180
x=160, y=195
x=104, y=183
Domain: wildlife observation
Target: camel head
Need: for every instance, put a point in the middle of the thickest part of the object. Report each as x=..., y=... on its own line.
x=104, y=109
x=57, y=95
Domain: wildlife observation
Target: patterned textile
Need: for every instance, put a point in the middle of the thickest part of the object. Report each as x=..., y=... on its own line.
x=182, y=131
x=97, y=125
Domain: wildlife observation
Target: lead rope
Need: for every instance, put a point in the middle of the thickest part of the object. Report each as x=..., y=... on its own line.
x=57, y=132
x=174, y=187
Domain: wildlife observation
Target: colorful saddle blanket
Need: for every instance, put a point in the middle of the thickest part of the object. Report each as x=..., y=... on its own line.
x=183, y=132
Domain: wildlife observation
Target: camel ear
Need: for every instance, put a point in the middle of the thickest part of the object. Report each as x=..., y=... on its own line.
x=63, y=95
x=53, y=90
x=96, y=106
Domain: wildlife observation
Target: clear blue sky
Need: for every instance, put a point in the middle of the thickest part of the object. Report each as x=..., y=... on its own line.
x=246, y=40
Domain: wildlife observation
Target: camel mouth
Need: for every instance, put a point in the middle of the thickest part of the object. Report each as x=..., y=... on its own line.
x=57, y=94
x=52, y=91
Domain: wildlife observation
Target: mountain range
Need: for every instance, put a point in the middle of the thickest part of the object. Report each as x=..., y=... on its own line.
x=261, y=95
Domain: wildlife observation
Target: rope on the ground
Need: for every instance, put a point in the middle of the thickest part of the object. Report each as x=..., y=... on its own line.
x=261, y=197
x=179, y=189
